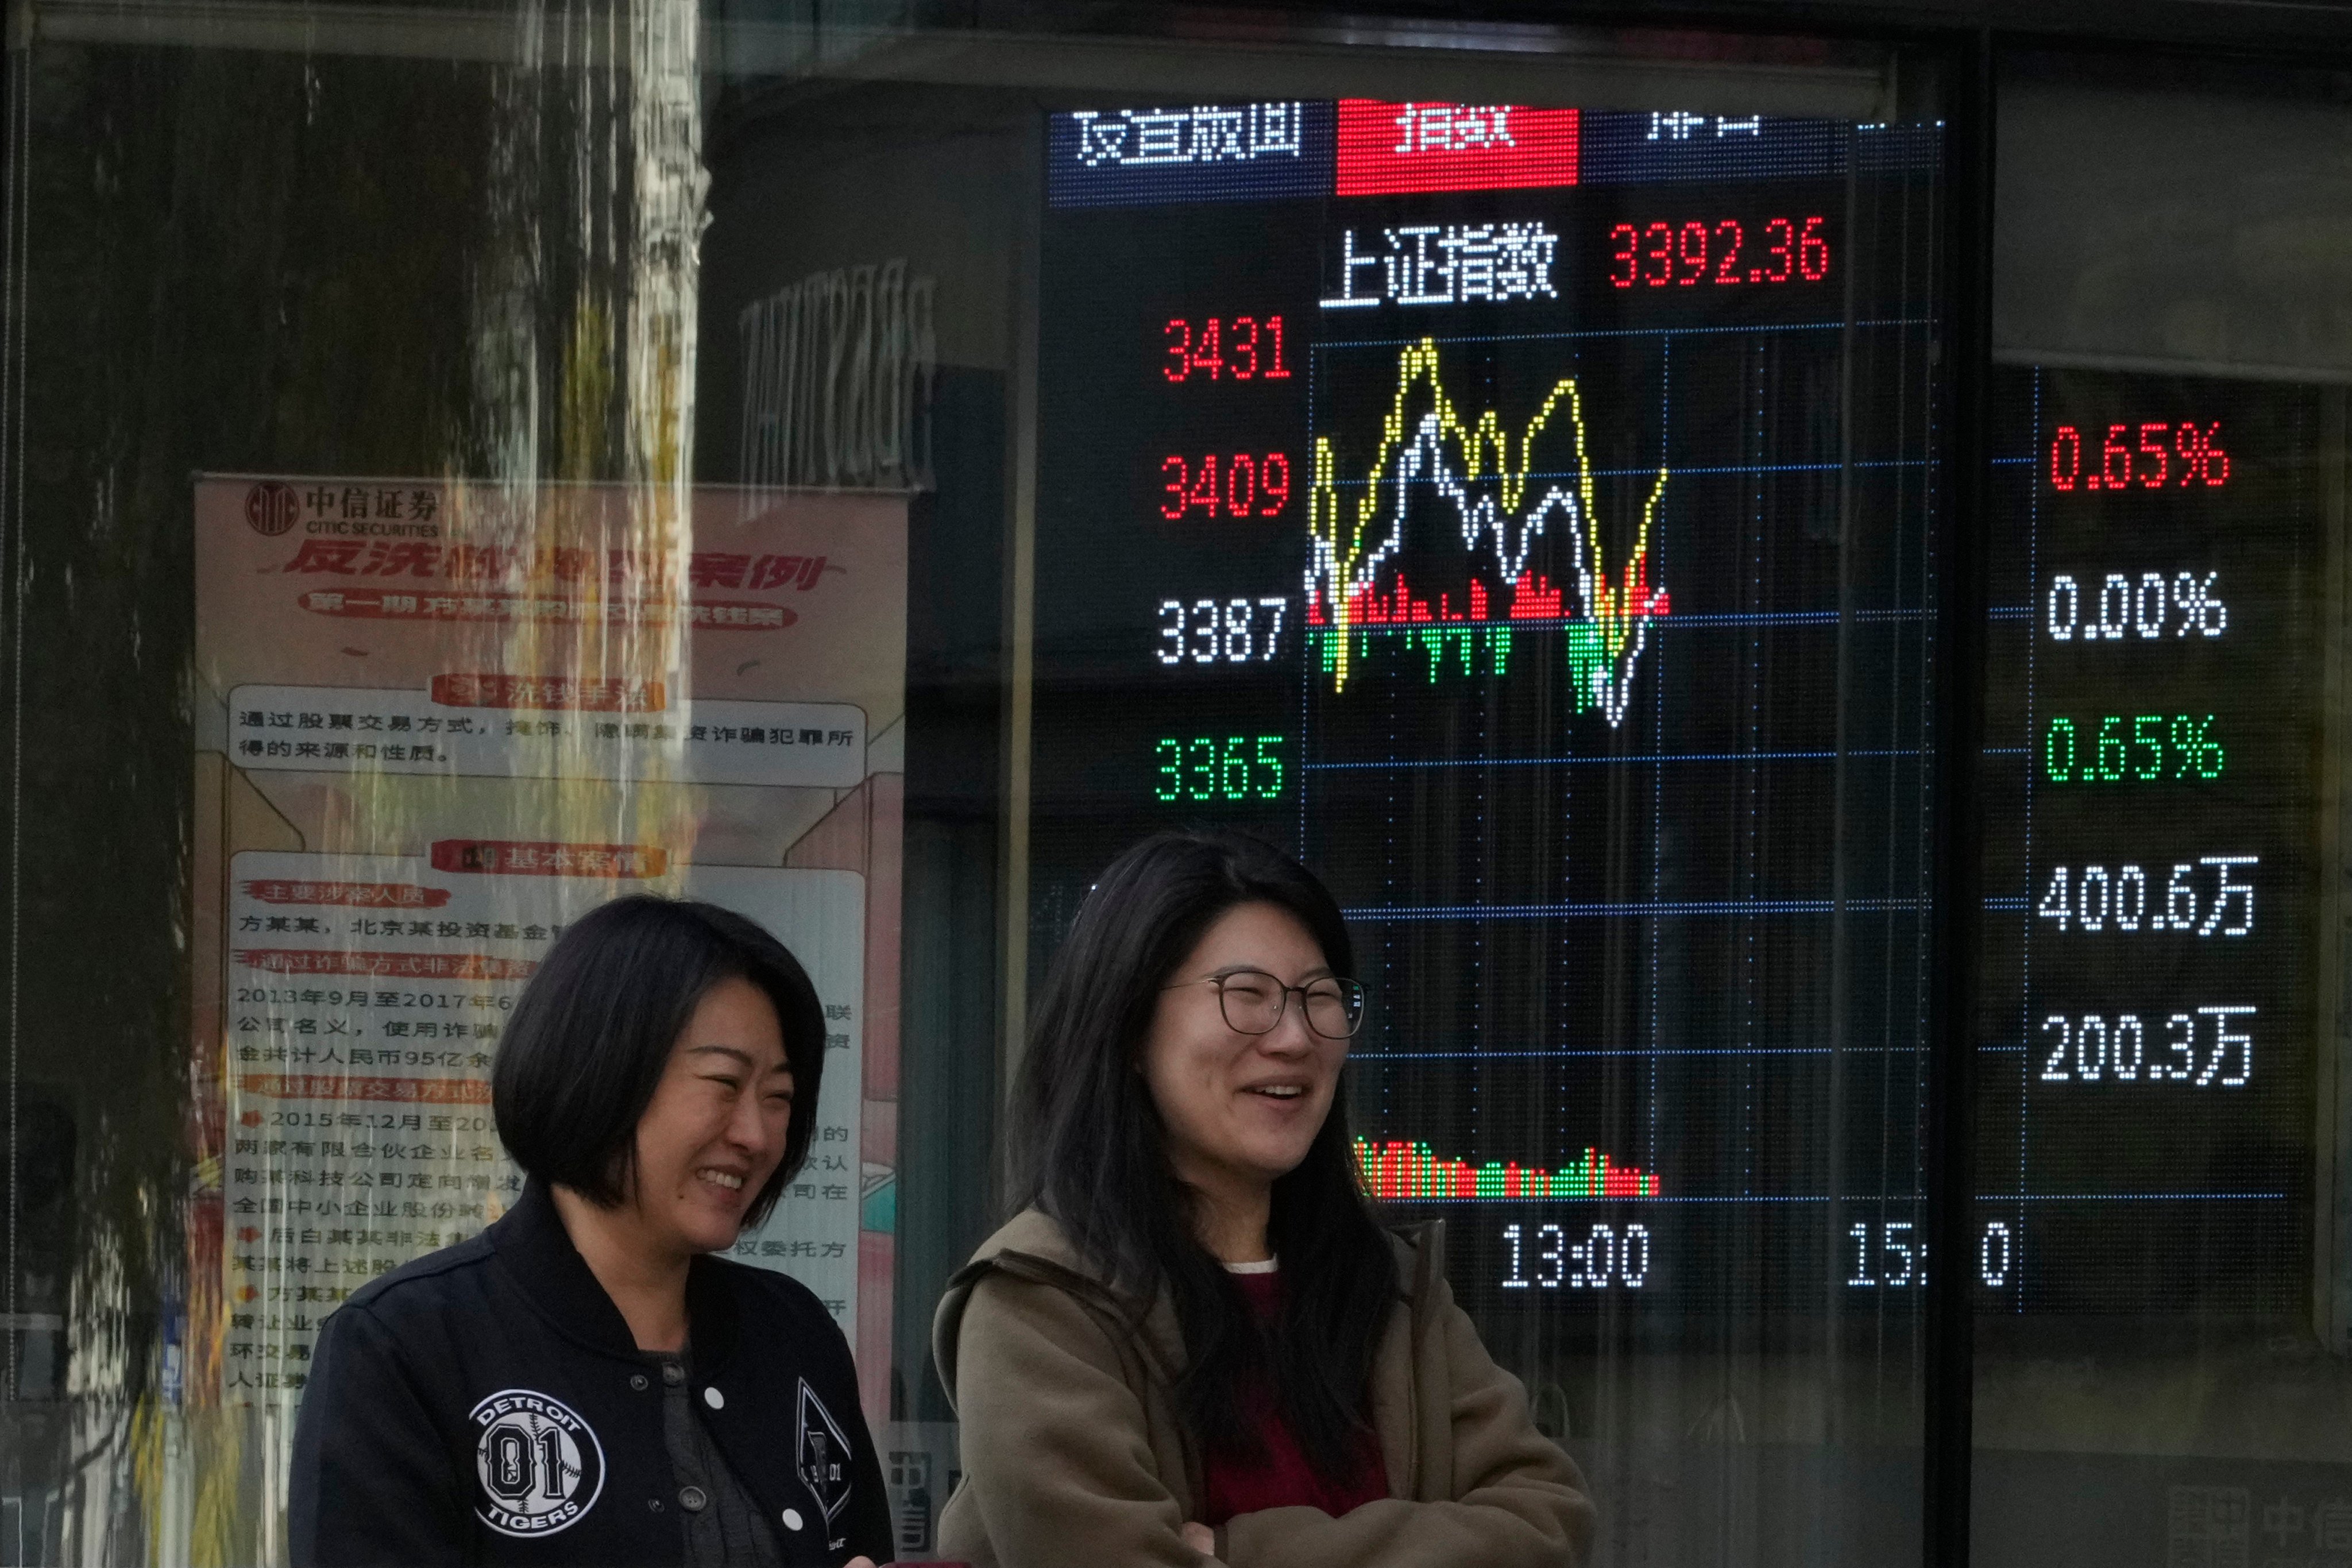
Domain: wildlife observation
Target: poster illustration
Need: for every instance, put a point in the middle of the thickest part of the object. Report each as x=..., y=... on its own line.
x=436, y=724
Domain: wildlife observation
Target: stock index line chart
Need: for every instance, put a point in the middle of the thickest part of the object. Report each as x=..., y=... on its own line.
x=1537, y=547
x=1356, y=587
x=1580, y=755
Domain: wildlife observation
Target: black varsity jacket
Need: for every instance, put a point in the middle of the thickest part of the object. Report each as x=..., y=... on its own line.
x=488, y=1404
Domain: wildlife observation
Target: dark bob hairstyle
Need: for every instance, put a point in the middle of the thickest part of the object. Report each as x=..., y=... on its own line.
x=578, y=1061
x=1098, y=1160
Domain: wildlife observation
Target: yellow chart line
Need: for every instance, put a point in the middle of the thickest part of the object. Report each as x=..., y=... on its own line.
x=1612, y=610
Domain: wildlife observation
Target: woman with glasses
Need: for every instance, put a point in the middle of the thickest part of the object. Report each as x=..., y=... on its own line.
x=1195, y=1340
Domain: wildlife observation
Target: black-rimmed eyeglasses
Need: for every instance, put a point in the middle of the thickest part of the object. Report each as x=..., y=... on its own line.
x=1253, y=1002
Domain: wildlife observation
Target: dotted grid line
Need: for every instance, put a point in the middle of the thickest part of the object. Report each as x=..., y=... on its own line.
x=1717, y=470
x=1740, y=618
x=1874, y=1198
x=1880, y=1305
x=1636, y=759
x=1306, y=665
x=2025, y=942
x=1790, y=617
x=1478, y=928
x=1630, y=909
x=1630, y=1051
x=1389, y=938
x=1884, y=1031
x=1925, y=854
x=2146, y=1198
x=1752, y=675
x=1567, y=841
x=1929, y=804
x=1658, y=775
x=1666, y=333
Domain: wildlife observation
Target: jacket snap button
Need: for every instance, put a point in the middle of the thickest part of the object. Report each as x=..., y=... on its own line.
x=791, y=1519
x=692, y=1498
x=637, y=1381
x=654, y=1503
x=672, y=1374
x=713, y=1398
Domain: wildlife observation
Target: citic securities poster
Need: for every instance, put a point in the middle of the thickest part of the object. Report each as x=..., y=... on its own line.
x=436, y=722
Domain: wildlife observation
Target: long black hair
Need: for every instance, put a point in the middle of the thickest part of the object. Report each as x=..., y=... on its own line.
x=1097, y=1159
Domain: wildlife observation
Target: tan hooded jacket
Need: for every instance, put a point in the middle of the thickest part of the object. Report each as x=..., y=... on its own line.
x=1073, y=1456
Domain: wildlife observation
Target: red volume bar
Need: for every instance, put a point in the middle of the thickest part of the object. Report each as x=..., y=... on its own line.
x=1408, y=1170
x=1390, y=147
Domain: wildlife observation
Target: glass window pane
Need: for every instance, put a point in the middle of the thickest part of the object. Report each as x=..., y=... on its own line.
x=1523, y=514
x=2159, y=1331
x=467, y=464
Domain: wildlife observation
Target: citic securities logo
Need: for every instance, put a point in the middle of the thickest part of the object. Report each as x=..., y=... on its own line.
x=379, y=510
x=272, y=508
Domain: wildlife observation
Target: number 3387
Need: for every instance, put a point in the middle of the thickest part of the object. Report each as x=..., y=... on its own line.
x=1220, y=631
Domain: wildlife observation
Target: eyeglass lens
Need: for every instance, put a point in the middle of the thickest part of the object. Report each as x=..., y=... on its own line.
x=1253, y=1002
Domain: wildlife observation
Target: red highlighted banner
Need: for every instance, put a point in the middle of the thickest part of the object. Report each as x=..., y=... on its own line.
x=351, y=895
x=391, y=965
x=612, y=696
x=501, y=856
x=1386, y=148
x=402, y=1090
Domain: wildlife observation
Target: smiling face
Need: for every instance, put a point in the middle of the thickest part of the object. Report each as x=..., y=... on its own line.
x=714, y=1131
x=1241, y=1111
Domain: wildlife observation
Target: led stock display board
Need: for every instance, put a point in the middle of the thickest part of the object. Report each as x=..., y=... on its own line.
x=2154, y=749
x=1526, y=516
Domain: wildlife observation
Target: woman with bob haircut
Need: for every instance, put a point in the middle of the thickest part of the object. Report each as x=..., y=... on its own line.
x=1195, y=1340
x=583, y=1383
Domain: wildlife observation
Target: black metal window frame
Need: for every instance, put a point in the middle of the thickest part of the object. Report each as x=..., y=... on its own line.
x=1962, y=47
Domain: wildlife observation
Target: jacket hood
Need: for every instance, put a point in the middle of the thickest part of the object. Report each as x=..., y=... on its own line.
x=1033, y=1246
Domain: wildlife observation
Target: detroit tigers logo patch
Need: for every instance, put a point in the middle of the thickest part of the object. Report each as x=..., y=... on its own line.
x=541, y=1465
x=824, y=1455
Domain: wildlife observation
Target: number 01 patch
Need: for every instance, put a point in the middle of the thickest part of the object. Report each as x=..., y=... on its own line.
x=541, y=1465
